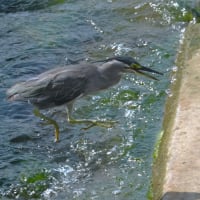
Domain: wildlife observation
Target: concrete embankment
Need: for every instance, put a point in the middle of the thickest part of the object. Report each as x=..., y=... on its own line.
x=176, y=171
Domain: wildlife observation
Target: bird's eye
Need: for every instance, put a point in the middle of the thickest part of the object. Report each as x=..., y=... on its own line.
x=135, y=66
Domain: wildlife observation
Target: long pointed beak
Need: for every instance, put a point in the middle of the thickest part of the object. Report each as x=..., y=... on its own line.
x=139, y=69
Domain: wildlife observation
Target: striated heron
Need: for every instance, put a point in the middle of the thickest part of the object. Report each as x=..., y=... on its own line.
x=64, y=85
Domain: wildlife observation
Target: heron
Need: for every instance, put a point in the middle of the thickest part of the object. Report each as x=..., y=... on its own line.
x=64, y=85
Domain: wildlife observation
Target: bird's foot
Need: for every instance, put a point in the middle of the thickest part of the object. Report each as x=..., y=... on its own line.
x=48, y=121
x=91, y=123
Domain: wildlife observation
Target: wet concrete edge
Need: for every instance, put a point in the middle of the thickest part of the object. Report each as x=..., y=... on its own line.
x=165, y=181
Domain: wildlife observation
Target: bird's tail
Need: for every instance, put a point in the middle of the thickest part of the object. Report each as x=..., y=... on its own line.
x=14, y=93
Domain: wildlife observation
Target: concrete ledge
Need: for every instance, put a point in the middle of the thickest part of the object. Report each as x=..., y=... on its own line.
x=176, y=172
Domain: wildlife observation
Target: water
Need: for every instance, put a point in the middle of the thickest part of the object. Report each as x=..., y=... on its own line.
x=98, y=163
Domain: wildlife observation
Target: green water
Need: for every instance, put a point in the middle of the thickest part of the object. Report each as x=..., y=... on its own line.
x=98, y=163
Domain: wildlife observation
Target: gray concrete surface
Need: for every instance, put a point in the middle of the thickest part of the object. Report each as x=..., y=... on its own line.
x=176, y=173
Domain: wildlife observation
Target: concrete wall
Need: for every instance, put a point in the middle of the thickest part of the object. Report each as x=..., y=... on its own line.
x=176, y=171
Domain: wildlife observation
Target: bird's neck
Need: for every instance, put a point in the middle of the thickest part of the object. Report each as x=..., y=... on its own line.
x=110, y=77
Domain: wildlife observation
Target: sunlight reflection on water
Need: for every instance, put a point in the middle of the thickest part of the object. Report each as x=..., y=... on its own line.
x=99, y=163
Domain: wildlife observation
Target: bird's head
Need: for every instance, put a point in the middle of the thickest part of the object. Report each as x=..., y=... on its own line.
x=132, y=66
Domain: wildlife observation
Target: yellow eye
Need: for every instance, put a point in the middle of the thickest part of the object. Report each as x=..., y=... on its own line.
x=135, y=66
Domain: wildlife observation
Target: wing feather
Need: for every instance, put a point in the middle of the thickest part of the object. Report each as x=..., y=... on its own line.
x=62, y=89
x=50, y=90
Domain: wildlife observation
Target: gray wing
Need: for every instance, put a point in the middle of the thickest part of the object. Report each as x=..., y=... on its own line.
x=62, y=89
x=50, y=89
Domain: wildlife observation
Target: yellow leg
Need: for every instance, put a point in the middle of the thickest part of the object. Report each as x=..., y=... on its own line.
x=49, y=121
x=90, y=122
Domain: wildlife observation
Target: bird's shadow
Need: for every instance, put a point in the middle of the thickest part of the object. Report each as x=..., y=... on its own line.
x=181, y=196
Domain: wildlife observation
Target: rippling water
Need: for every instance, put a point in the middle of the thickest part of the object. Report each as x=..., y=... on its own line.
x=98, y=163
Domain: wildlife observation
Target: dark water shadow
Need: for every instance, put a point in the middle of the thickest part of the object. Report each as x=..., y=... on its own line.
x=26, y=5
x=181, y=196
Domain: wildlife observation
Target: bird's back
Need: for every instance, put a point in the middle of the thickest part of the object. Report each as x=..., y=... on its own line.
x=53, y=87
